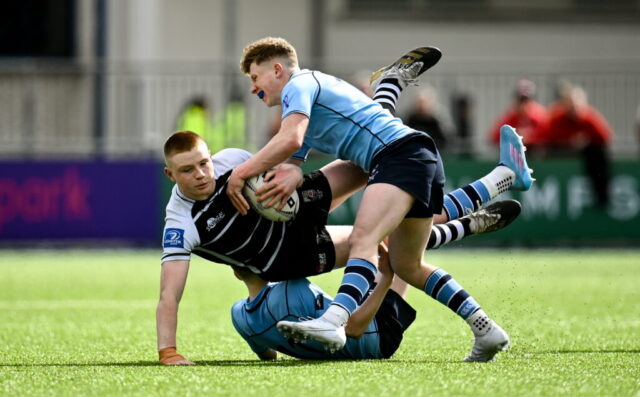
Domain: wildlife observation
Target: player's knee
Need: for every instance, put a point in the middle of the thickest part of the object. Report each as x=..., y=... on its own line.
x=360, y=241
x=409, y=272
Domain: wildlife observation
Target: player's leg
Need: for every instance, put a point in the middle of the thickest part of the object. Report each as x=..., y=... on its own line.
x=345, y=178
x=389, y=81
x=370, y=228
x=512, y=173
x=490, y=338
x=493, y=217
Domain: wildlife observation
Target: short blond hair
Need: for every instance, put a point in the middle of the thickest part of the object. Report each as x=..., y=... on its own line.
x=266, y=49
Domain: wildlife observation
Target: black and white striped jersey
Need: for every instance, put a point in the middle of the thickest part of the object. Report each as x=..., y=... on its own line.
x=215, y=230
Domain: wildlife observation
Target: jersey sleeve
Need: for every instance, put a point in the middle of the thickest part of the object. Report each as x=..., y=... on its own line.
x=302, y=153
x=236, y=319
x=299, y=94
x=179, y=236
x=227, y=159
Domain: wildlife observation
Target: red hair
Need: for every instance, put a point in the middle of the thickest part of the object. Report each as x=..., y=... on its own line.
x=181, y=141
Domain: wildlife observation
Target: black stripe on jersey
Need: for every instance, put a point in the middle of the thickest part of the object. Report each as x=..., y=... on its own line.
x=247, y=240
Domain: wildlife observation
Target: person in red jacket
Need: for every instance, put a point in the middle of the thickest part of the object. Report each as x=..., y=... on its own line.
x=527, y=116
x=577, y=127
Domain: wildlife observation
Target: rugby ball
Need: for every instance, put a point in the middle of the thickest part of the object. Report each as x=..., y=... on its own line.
x=272, y=213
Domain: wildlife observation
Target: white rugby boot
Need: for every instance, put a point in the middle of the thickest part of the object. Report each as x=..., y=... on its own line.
x=331, y=336
x=490, y=340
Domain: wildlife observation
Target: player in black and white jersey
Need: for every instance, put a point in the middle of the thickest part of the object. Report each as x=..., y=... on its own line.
x=207, y=224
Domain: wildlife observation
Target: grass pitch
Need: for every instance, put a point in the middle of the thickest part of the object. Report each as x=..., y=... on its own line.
x=83, y=323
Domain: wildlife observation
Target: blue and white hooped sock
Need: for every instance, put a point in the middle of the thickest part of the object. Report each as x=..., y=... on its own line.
x=466, y=199
x=442, y=287
x=359, y=274
x=478, y=193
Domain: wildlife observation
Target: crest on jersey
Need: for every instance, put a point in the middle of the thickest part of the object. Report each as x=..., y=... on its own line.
x=212, y=222
x=173, y=238
x=311, y=195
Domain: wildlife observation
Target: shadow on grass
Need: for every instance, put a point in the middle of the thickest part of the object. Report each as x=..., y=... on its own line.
x=589, y=351
x=212, y=363
x=289, y=362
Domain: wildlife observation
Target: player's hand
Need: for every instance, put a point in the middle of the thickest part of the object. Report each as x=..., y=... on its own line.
x=384, y=265
x=169, y=356
x=234, y=191
x=282, y=181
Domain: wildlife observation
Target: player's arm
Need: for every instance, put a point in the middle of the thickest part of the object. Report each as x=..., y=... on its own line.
x=362, y=317
x=172, y=281
x=278, y=150
x=268, y=354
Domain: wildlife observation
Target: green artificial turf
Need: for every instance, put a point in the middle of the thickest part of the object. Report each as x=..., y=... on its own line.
x=83, y=323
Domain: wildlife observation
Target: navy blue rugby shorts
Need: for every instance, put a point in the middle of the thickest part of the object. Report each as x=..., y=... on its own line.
x=413, y=164
x=393, y=318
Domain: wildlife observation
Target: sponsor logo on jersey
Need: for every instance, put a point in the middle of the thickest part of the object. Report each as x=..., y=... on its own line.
x=173, y=238
x=285, y=101
x=311, y=195
x=212, y=222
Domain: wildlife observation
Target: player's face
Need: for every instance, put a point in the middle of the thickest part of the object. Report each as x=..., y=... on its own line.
x=266, y=81
x=193, y=172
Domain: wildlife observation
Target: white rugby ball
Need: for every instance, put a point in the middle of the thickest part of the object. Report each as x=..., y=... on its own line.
x=287, y=212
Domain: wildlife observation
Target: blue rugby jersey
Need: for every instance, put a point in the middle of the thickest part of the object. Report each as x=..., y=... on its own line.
x=256, y=322
x=343, y=121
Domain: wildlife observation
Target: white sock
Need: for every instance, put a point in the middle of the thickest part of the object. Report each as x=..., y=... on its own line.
x=480, y=323
x=336, y=315
x=499, y=180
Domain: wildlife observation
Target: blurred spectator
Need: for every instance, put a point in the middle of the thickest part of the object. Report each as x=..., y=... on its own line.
x=463, y=119
x=195, y=117
x=428, y=115
x=226, y=129
x=576, y=127
x=638, y=126
x=361, y=80
x=527, y=116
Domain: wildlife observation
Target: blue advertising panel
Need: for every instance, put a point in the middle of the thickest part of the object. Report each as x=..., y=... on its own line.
x=92, y=200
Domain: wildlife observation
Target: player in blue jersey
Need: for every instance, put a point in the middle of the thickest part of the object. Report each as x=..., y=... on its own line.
x=374, y=331
x=404, y=190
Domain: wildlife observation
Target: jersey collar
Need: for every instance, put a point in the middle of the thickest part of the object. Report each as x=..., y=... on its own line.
x=252, y=305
